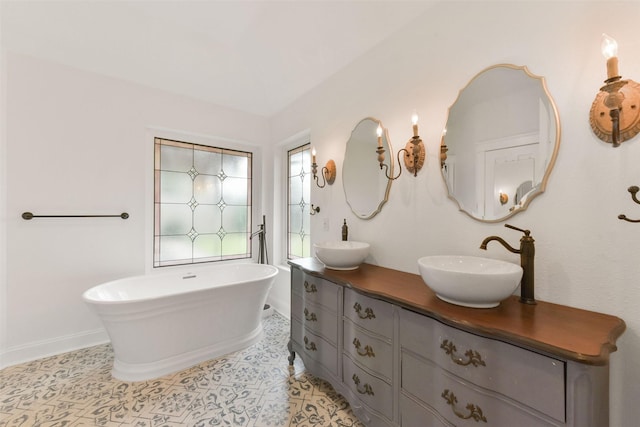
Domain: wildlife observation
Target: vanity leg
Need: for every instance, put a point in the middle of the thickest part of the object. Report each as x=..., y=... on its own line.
x=292, y=354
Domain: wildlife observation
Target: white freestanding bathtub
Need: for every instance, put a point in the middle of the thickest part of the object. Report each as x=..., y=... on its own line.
x=159, y=324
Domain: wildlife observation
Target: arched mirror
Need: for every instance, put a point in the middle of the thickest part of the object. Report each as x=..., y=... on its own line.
x=366, y=189
x=502, y=138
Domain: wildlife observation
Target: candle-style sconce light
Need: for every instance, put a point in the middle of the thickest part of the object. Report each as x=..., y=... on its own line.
x=328, y=171
x=504, y=198
x=414, y=152
x=615, y=112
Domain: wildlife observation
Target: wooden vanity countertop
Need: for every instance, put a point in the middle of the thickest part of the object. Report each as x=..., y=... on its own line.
x=574, y=334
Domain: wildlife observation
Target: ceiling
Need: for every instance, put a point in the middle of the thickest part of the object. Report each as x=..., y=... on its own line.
x=253, y=56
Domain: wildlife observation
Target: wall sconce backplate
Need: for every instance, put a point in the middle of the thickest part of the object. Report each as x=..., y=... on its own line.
x=408, y=157
x=330, y=172
x=629, y=114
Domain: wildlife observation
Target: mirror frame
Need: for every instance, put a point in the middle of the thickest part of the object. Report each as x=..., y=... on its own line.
x=389, y=149
x=552, y=159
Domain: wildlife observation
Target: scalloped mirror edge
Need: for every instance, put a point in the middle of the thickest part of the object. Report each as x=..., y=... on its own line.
x=540, y=186
x=366, y=160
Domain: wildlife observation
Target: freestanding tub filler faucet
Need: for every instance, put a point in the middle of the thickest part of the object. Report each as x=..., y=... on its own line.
x=262, y=249
x=527, y=253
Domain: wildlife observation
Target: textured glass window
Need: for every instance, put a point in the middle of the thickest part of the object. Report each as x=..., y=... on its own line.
x=202, y=203
x=299, y=195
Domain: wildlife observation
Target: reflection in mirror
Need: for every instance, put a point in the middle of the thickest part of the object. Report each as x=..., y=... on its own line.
x=502, y=137
x=365, y=188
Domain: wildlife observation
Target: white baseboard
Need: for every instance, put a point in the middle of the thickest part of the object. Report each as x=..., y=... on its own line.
x=40, y=349
x=282, y=307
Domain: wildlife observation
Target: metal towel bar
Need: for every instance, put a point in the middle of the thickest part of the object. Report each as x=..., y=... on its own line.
x=29, y=215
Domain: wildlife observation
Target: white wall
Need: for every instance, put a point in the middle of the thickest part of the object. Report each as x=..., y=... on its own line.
x=78, y=143
x=586, y=257
x=73, y=142
x=3, y=206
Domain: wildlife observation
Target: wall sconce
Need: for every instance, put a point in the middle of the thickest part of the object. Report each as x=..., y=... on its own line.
x=443, y=149
x=615, y=112
x=414, y=152
x=504, y=198
x=328, y=171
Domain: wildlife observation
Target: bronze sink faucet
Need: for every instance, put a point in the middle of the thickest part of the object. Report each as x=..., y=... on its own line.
x=527, y=253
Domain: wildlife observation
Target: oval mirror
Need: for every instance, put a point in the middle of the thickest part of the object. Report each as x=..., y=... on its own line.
x=366, y=189
x=501, y=141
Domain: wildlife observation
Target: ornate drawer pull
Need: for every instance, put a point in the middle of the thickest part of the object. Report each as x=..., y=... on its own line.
x=366, y=388
x=310, y=288
x=310, y=345
x=311, y=317
x=368, y=350
x=368, y=312
x=474, y=411
x=473, y=357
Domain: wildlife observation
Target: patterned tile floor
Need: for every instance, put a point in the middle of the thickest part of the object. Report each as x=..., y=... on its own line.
x=254, y=387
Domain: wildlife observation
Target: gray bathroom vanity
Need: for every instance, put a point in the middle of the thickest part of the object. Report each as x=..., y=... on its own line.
x=402, y=357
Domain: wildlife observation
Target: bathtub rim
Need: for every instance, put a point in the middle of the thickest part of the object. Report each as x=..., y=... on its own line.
x=91, y=301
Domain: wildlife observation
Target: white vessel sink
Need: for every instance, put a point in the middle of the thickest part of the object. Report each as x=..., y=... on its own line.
x=470, y=281
x=341, y=255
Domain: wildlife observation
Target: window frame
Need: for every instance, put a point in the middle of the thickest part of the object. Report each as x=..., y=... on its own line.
x=151, y=133
x=305, y=146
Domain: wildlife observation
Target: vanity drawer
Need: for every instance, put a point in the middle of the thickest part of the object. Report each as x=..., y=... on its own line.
x=459, y=403
x=369, y=313
x=319, y=291
x=316, y=347
x=413, y=414
x=531, y=378
x=322, y=322
x=372, y=391
x=368, y=350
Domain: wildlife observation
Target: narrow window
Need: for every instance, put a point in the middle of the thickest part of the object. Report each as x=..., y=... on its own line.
x=298, y=197
x=202, y=203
